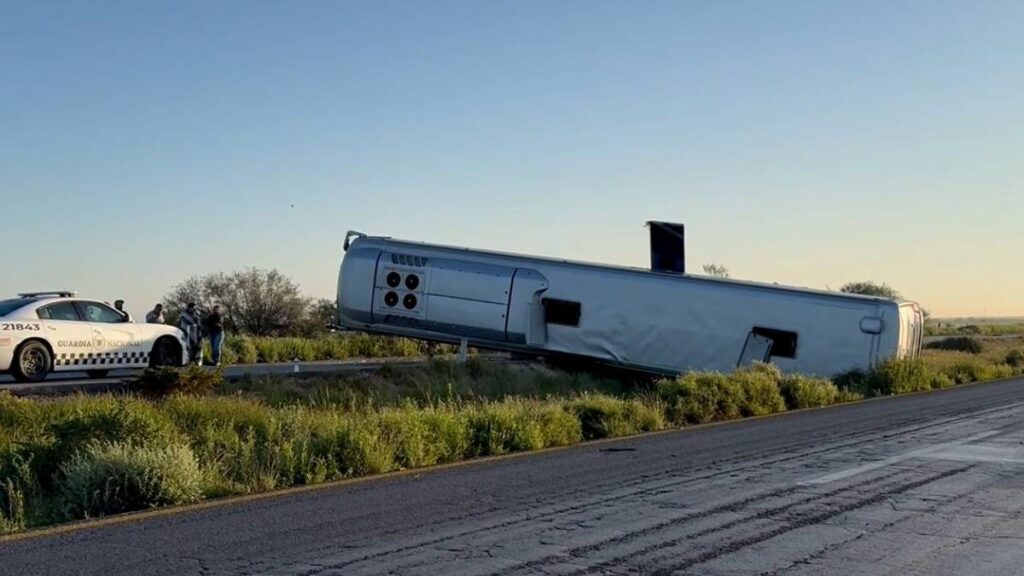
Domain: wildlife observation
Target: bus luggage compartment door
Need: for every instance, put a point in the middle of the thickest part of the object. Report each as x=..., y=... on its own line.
x=467, y=299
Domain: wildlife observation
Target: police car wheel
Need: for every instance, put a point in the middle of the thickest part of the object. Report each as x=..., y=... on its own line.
x=165, y=352
x=97, y=373
x=33, y=362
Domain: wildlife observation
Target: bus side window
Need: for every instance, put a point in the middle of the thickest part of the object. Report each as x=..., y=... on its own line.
x=563, y=312
x=784, y=342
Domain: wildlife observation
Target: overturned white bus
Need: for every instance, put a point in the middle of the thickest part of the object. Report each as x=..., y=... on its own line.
x=658, y=320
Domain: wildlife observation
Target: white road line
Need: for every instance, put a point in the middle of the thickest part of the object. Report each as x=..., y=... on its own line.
x=893, y=460
x=981, y=453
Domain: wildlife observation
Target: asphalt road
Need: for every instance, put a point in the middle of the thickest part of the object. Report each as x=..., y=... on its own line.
x=928, y=484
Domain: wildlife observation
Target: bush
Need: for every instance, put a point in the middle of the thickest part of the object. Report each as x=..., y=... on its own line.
x=848, y=396
x=707, y=396
x=503, y=427
x=959, y=344
x=191, y=380
x=94, y=421
x=114, y=478
x=243, y=349
x=328, y=347
x=267, y=350
x=410, y=435
x=12, y=506
x=900, y=376
x=759, y=389
x=975, y=370
x=698, y=398
x=558, y=426
x=804, y=392
x=1015, y=358
x=941, y=380
x=606, y=417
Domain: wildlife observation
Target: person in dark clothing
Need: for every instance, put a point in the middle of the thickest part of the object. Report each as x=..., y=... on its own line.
x=215, y=330
x=189, y=324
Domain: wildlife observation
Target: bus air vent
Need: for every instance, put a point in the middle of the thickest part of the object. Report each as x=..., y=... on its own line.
x=407, y=260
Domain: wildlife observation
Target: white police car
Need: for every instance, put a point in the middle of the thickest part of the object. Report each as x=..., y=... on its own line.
x=44, y=332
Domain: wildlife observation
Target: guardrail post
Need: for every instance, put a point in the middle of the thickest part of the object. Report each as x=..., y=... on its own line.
x=463, y=350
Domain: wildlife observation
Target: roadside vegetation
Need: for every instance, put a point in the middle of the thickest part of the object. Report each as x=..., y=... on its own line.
x=183, y=436
x=343, y=346
x=972, y=329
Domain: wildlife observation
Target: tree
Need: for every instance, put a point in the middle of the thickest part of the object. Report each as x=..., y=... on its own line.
x=716, y=270
x=871, y=289
x=264, y=303
x=253, y=301
x=205, y=292
x=320, y=314
x=875, y=289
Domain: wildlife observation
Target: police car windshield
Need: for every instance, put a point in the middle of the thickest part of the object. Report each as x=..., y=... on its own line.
x=8, y=306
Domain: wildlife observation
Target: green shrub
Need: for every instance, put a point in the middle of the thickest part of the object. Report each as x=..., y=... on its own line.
x=503, y=427
x=851, y=381
x=558, y=426
x=327, y=347
x=297, y=349
x=116, y=477
x=410, y=435
x=354, y=447
x=759, y=389
x=958, y=344
x=19, y=487
x=227, y=355
x=696, y=398
x=941, y=380
x=606, y=417
x=449, y=428
x=900, y=376
x=804, y=392
x=845, y=395
x=1015, y=358
x=243, y=350
x=969, y=370
x=709, y=396
x=252, y=446
x=367, y=452
x=191, y=380
x=96, y=421
x=12, y=506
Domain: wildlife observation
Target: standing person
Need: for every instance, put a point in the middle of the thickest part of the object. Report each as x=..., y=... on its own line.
x=156, y=315
x=190, y=325
x=215, y=329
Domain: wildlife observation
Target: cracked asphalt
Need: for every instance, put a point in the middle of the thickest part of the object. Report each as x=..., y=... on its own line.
x=928, y=484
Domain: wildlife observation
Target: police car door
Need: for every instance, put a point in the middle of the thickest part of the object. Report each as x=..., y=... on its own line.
x=69, y=335
x=116, y=341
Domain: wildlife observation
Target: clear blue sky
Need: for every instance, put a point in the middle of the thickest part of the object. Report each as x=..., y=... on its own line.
x=808, y=143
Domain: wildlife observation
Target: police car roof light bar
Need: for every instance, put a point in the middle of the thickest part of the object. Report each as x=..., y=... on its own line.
x=58, y=293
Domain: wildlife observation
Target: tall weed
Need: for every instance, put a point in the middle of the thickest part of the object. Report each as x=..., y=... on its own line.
x=112, y=478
